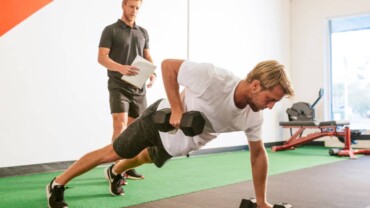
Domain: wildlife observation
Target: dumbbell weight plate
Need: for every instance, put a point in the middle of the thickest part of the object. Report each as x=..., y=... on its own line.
x=248, y=203
x=192, y=123
x=282, y=205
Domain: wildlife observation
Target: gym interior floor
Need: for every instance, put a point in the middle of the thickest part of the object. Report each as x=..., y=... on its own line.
x=306, y=178
x=343, y=184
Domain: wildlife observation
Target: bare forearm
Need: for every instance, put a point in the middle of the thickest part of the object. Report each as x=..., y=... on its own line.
x=147, y=56
x=259, y=172
x=170, y=70
x=109, y=63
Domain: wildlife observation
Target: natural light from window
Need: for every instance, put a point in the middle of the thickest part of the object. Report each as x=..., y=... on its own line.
x=351, y=77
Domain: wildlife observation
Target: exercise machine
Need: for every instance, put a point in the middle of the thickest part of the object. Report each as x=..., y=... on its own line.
x=302, y=117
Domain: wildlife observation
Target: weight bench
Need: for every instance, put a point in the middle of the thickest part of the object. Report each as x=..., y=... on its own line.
x=325, y=128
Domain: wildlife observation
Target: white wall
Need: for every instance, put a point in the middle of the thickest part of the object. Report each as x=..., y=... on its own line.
x=53, y=96
x=53, y=93
x=236, y=35
x=310, y=60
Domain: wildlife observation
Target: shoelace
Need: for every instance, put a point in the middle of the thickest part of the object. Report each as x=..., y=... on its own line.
x=59, y=192
x=118, y=179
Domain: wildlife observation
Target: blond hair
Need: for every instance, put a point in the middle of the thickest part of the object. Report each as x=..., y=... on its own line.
x=125, y=1
x=271, y=73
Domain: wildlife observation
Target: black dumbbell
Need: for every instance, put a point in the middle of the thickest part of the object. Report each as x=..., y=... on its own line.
x=282, y=205
x=248, y=203
x=192, y=122
x=251, y=203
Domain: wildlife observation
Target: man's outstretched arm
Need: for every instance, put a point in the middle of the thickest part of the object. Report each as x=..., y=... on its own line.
x=259, y=163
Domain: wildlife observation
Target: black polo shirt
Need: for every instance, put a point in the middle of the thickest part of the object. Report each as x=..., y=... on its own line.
x=125, y=43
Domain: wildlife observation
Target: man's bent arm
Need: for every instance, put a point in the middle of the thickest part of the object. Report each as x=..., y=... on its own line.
x=108, y=63
x=259, y=163
x=147, y=55
x=170, y=70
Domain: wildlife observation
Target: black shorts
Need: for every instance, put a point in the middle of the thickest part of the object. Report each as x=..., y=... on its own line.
x=126, y=99
x=141, y=134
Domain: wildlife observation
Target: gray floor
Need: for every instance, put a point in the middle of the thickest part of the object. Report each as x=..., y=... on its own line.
x=344, y=184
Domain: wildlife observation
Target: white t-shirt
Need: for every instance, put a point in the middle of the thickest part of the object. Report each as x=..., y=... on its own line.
x=210, y=90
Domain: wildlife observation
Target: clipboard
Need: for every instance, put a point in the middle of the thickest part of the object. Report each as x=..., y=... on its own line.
x=146, y=69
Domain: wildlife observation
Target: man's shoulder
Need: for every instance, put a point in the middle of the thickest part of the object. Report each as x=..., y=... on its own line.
x=112, y=25
x=112, y=28
x=141, y=28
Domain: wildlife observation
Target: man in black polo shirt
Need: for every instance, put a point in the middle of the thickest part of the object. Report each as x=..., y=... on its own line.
x=120, y=43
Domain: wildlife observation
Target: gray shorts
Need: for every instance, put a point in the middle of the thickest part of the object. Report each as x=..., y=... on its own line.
x=141, y=134
x=126, y=99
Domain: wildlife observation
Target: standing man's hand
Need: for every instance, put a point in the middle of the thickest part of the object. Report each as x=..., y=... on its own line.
x=152, y=79
x=128, y=70
x=108, y=63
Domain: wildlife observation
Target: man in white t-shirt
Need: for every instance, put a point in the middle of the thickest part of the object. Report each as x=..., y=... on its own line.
x=228, y=104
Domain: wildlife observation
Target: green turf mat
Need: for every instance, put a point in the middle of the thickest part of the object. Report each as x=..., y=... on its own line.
x=178, y=176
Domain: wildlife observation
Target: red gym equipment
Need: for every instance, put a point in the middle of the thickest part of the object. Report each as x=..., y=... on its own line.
x=326, y=128
x=301, y=117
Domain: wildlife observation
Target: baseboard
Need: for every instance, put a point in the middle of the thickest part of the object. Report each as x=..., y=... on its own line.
x=36, y=168
x=60, y=166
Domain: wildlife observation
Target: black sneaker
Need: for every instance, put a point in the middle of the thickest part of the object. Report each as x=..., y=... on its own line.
x=132, y=174
x=124, y=179
x=115, y=182
x=55, y=196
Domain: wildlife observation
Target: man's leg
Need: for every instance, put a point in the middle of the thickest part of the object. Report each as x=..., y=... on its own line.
x=114, y=173
x=132, y=173
x=120, y=123
x=55, y=190
x=88, y=162
x=138, y=160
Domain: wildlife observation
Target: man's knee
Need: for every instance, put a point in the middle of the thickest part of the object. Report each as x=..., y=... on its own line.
x=144, y=156
x=109, y=154
x=120, y=118
x=120, y=122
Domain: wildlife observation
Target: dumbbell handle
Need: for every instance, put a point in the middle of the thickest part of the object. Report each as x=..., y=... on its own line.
x=192, y=122
x=162, y=120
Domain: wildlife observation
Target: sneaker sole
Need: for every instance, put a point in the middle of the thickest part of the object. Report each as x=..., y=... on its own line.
x=48, y=194
x=134, y=178
x=110, y=184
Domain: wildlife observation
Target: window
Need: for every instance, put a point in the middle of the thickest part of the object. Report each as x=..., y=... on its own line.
x=350, y=70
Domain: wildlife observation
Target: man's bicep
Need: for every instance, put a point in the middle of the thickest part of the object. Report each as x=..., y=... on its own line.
x=103, y=54
x=195, y=77
x=171, y=65
x=104, y=51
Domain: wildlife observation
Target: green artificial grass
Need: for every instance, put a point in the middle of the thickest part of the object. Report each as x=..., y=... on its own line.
x=178, y=176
